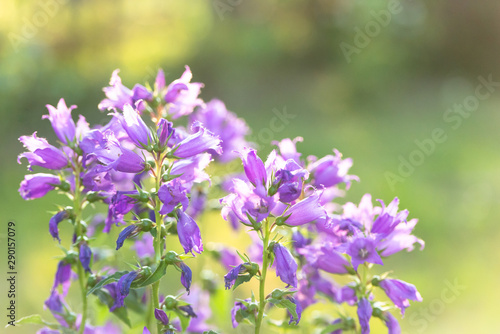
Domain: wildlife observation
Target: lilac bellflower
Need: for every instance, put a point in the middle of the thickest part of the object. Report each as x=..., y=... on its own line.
x=201, y=141
x=183, y=95
x=306, y=211
x=54, y=222
x=41, y=153
x=38, y=185
x=364, y=314
x=189, y=233
x=85, y=256
x=134, y=125
x=286, y=266
x=363, y=250
x=400, y=293
x=61, y=121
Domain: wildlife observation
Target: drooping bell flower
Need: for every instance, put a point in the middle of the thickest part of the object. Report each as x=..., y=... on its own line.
x=62, y=277
x=387, y=221
x=38, y=185
x=41, y=153
x=85, y=256
x=331, y=170
x=186, y=276
x=61, y=121
x=400, y=293
x=188, y=309
x=391, y=323
x=400, y=238
x=298, y=310
x=286, y=266
x=165, y=130
x=189, y=233
x=126, y=233
x=288, y=149
x=54, y=222
x=124, y=286
x=364, y=314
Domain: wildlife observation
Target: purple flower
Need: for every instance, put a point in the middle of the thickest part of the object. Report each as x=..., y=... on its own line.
x=289, y=181
x=164, y=132
x=391, y=323
x=183, y=95
x=400, y=238
x=61, y=121
x=364, y=315
x=228, y=259
x=400, y=293
x=189, y=233
x=237, y=312
x=288, y=148
x=298, y=310
x=331, y=170
x=38, y=185
x=62, y=277
x=325, y=258
x=338, y=331
x=299, y=241
x=253, y=166
x=161, y=316
x=188, y=310
x=117, y=94
x=126, y=233
x=363, y=250
x=85, y=256
x=41, y=153
x=233, y=274
x=306, y=211
x=123, y=286
x=192, y=169
x=199, y=142
x=387, y=221
x=54, y=303
x=146, y=331
x=286, y=266
x=119, y=205
x=225, y=124
x=54, y=222
x=134, y=125
x=186, y=276
x=172, y=194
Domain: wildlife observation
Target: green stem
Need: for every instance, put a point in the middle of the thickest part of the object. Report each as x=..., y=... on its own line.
x=262, y=285
x=77, y=209
x=158, y=240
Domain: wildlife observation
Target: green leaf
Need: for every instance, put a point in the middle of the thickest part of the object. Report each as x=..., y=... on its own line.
x=289, y=305
x=110, y=279
x=332, y=328
x=184, y=320
x=241, y=279
x=160, y=271
x=106, y=299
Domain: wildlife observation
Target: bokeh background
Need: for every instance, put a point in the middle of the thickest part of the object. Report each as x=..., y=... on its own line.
x=371, y=97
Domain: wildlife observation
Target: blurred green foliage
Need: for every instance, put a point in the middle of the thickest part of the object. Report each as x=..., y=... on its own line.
x=277, y=55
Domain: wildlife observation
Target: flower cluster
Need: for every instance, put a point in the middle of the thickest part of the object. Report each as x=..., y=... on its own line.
x=147, y=166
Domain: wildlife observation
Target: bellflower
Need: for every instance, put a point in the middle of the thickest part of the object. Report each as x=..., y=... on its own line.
x=192, y=169
x=325, y=258
x=391, y=323
x=165, y=130
x=38, y=185
x=225, y=124
x=289, y=181
x=172, y=194
x=253, y=166
x=298, y=309
x=331, y=170
x=188, y=309
x=286, y=266
x=54, y=222
x=201, y=141
x=400, y=238
x=364, y=315
x=183, y=95
x=363, y=250
x=62, y=277
x=299, y=241
x=389, y=218
x=61, y=121
x=41, y=153
x=186, y=276
x=85, y=256
x=118, y=95
x=161, y=316
x=288, y=149
x=134, y=125
x=126, y=233
x=238, y=311
x=400, y=293
x=233, y=274
x=119, y=205
x=124, y=286
x=189, y=233
x=306, y=211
